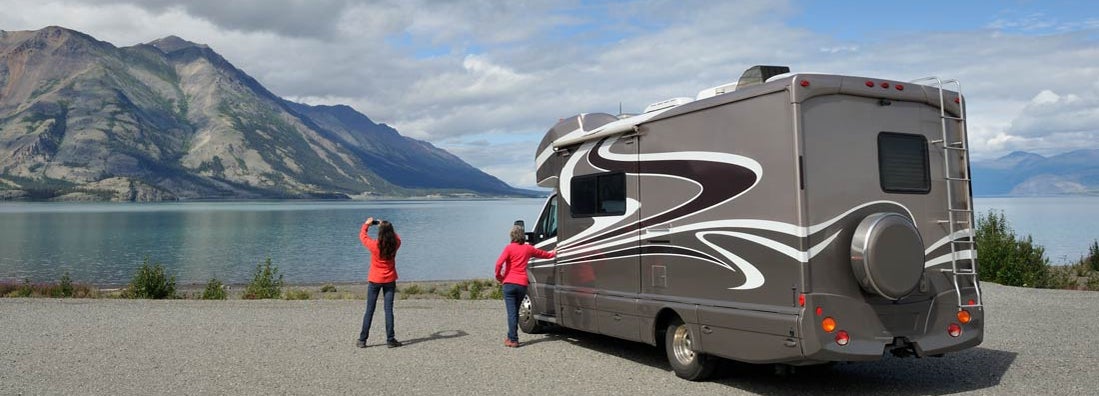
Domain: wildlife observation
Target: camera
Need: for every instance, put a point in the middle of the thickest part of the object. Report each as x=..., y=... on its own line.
x=375, y=222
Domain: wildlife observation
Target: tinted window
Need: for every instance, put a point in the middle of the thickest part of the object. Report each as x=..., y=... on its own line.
x=599, y=195
x=903, y=164
x=547, y=225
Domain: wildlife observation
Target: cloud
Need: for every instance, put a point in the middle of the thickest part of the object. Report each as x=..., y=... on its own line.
x=504, y=72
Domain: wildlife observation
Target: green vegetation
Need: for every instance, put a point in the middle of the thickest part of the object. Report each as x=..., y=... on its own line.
x=455, y=292
x=328, y=289
x=266, y=283
x=297, y=294
x=151, y=281
x=66, y=285
x=215, y=290
x=1010, y=260
x=412, y=289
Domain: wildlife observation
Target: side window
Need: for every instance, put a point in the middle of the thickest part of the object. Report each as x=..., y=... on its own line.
x=547, y=224
x=602, y=194
x=903, y=164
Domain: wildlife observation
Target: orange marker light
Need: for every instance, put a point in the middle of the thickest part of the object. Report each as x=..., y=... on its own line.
x=964, y=317
x=828, y=324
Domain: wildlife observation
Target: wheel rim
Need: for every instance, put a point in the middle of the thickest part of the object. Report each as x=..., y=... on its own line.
x=681, y=346
x=525, y=310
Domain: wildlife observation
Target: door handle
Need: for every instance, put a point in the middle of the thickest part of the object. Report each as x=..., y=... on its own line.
x=660, y=241
x=617, y=317
x=707, y=330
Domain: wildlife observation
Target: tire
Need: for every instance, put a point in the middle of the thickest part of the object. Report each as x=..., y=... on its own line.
x=687, y=364
x=527, y=322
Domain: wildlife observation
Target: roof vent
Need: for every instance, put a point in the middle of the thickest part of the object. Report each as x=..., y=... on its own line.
x=667, y=104
x=756, y=75
x=718, y=90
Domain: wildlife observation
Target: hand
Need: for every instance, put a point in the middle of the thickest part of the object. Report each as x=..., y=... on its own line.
x=369, y=221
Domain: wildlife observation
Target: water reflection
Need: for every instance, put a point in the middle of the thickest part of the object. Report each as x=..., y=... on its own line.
x=309, y=241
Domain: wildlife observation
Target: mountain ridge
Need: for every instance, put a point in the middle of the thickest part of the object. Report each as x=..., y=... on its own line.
x=1023, y=173
x=81, y=119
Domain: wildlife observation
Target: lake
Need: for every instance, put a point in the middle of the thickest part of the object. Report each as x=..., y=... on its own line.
x=310, y=242
x=317, y=242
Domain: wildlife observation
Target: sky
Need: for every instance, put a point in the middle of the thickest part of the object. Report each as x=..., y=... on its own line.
x=486, y=79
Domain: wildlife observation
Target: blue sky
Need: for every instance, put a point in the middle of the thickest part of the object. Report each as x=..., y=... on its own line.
x=485, y=79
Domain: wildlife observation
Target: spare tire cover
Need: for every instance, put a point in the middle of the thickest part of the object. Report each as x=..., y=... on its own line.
x=887, y=255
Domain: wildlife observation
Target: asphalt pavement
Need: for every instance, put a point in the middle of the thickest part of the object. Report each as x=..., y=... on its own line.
x=1036, y=342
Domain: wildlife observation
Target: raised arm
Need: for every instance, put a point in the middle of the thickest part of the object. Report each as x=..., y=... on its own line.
x=364, y=236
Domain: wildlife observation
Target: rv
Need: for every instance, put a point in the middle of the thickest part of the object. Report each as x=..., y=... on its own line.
x=786, y=218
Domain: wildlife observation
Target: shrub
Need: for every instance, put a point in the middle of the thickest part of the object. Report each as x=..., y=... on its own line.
x=497, y=292
x=215, y=290
x=1092, y=260
x=475, y=289
x=26, y=289
x=300, y=294
x=1093, y=281
x=328, y=289
x=151, y=281
x=455, y=292
x=1063, y=277
x=66, y=285
x=264, y=283
x=1007, y=260
x=412, y=289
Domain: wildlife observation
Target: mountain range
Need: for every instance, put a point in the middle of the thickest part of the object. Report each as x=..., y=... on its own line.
x=81, y=119
x=1027, y=174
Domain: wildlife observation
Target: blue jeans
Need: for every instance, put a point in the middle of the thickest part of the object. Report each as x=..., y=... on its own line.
x=513, y=296
x=388, y=289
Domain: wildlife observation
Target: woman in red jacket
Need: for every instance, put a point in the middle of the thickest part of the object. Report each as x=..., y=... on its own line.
x=382, y=276
x=513, y=261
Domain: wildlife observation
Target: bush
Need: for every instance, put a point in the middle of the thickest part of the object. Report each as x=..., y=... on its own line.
x=328, y=289
x=475, y=289
x=412, y=289
x=1092, y=260
x=455, y=292
x=215, y=290
x=26, y=289
x=497, y=292
x=1007, y=260
x=66, y=285
x=1093, y=281
x=264, y=283
x=300, y=294
x=151, y=281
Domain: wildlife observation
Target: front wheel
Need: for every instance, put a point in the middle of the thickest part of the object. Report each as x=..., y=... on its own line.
x=686, y=363
x=527, y=322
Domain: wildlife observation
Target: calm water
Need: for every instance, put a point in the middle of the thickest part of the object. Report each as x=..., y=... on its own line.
x=1065, y=226
x=315, y=242
x=310, y=242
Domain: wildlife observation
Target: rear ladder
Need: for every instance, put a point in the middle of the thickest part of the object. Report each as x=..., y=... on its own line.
x=963, y=246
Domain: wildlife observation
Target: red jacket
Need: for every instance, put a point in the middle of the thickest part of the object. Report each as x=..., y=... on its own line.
x=381, y=271
x=516, y=255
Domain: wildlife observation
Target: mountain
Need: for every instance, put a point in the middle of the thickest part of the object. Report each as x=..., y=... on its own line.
x=81, y=119
x=1027, y=174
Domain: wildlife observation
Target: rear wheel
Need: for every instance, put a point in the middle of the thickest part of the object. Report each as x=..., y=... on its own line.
x=527, y=322
x=686, y=363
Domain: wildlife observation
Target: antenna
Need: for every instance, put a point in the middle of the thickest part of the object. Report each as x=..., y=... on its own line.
x=620, y=107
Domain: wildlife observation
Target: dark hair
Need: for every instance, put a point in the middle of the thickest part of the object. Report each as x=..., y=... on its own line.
x=387, y=241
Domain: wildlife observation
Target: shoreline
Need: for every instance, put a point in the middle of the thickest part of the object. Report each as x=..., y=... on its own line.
x=459, y=289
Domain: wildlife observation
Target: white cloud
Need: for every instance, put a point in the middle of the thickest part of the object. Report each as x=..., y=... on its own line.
x=455, y=72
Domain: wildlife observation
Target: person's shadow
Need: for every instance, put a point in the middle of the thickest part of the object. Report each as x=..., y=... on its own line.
x=438, y=335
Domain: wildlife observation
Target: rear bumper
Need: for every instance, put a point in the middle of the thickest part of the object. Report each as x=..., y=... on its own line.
x=916, y=328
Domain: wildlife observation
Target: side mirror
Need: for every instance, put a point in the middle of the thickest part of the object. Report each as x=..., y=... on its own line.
x=521, y=224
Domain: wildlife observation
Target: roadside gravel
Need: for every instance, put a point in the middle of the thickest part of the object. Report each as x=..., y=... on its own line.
x=1036, y=341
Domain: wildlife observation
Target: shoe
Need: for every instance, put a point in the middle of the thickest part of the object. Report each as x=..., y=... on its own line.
x=511, y=344
x=361, y=344
x=393, y=343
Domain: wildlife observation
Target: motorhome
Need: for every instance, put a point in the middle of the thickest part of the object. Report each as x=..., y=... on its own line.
x=788, y=218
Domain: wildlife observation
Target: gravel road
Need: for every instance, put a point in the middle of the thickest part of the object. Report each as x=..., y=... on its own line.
x=1036, y=341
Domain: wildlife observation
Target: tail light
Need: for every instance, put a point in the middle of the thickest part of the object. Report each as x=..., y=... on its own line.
x=954, y=330
x=842, y=338
x=964, y=317
x=804, y=83
x=801, y=300
x=828, y=324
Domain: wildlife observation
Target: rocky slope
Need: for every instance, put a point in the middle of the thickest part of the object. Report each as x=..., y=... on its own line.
x=82, y=119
